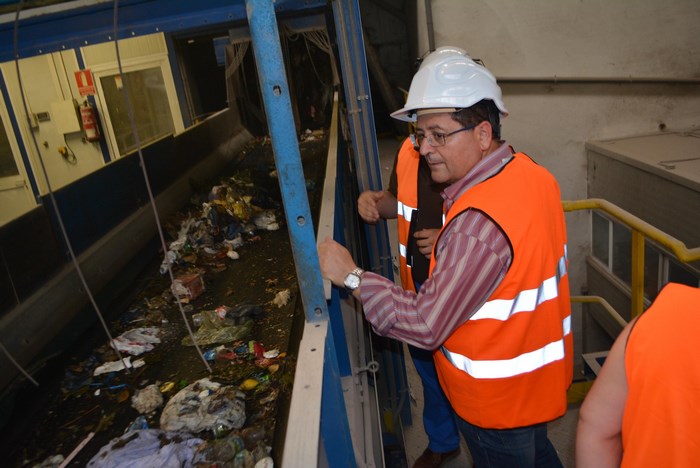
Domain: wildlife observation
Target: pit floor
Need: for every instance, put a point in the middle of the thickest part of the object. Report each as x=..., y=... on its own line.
x=55, y=417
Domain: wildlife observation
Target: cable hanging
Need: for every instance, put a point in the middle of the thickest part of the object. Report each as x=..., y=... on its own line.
x=54, y=204
x=235, y=54
x=132, y=122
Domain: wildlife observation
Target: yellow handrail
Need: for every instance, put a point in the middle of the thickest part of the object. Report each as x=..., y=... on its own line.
x=678, y=248
x=640, y=230
x=606, y=305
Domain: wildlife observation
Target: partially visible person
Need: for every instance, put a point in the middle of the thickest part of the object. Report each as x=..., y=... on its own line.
x=642, y=409
x=415, y=201
x=495, y=307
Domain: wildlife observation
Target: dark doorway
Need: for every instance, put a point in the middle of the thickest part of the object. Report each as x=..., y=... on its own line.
x=203, y=73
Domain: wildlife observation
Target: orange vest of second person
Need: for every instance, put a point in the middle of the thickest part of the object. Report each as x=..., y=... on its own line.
x=661, y=422
x=407, y=205
x=511, y=363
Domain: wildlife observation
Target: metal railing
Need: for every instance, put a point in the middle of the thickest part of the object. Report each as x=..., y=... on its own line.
x=640, y=231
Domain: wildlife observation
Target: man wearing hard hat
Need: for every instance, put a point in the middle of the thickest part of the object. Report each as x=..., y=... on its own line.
x=495, y=308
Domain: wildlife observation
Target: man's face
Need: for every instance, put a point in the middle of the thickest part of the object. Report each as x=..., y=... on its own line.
x=461, y=152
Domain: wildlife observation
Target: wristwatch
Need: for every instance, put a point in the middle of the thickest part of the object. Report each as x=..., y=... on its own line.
x=352, y=280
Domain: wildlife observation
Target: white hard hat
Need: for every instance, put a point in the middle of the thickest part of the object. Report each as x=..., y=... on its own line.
x=449, y=79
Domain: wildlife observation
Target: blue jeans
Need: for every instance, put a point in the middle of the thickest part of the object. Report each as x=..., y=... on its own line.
x=510, y=448
x=439, y=419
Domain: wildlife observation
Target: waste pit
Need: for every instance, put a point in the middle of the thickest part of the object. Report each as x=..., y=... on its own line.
x=235, y=282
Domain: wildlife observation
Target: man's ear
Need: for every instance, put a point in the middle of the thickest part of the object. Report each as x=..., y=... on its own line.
x=484, y=134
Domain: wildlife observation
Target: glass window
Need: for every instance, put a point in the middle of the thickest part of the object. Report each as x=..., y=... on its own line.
x=601, y=229
x=678, y=274
x=8, y=167
x=622, y=251
x=149, y=101
x=652, y=263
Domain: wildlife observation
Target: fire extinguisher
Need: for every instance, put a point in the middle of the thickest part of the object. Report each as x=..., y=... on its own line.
x=89, y=119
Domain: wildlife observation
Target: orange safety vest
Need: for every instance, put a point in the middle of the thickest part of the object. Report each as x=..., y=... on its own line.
x=407, y=204
x=511, y=363
x=661, y=422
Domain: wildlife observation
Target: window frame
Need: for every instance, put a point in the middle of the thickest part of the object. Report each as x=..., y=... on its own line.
x=664, y=262
x=128, y=66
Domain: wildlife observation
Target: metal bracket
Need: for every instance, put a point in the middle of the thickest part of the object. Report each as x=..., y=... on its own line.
x=372, y=366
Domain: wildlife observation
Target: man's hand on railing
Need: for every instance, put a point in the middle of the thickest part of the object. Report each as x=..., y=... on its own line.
x=336, y=261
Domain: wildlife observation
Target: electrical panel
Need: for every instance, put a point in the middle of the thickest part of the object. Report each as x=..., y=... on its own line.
x=65, y=116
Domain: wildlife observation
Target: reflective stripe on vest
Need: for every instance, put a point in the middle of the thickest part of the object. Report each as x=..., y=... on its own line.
x=406, y=213
x=510, y=364
x=407, y=204
x=525, y=301
x=522, y=364
x=503, y=309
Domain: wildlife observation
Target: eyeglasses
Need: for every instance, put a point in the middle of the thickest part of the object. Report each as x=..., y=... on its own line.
x=435, y=139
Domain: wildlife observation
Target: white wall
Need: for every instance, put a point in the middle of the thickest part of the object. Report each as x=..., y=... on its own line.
x=16, y=195
x=590, y=38
x=135, y=54
x=587, y=39
x=48, y=79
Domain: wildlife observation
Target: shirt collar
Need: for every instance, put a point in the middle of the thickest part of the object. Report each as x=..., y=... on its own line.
x=484, y=169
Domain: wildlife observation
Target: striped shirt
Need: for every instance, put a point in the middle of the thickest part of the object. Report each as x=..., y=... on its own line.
x=472, y=257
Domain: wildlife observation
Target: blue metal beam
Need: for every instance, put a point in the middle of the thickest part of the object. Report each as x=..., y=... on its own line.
x=285, y=146
x=353, y=62
x=351, y=49
x=335, y=428
x=68, y=29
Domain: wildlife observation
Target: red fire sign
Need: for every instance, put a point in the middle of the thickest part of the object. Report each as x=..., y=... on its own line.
x=84, y=80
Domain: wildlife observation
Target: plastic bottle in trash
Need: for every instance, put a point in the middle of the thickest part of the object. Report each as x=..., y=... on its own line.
x=197, y=319
x=253, y=435
x=243, y=459
x=220, y=430
x=223, y=449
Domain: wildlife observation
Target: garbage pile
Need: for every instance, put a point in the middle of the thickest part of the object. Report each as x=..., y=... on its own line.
x=145, y=393
x=230, y=217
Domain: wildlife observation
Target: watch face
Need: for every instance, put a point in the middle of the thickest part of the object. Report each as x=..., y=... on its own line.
x=352, y=281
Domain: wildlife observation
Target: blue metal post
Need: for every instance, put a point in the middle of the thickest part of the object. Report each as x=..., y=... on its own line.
x=278, y=109
x=335, y=431
x=335, y=428
x=351, y=49
x=353, y=62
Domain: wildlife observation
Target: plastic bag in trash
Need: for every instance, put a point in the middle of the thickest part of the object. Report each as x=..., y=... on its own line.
x=116, y=366
x=52, y=461
x=136, y=341
x=211, y=332
x=227, y=316
x=147, y=399
x=204, y=405
x=266, y=220
x=147, y=447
